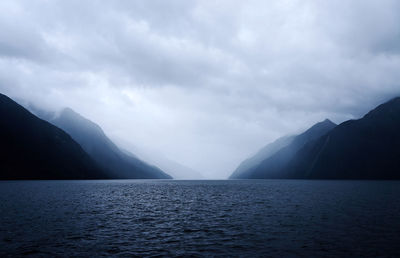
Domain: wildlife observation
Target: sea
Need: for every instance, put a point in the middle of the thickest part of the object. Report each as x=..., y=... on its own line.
x=210, y=218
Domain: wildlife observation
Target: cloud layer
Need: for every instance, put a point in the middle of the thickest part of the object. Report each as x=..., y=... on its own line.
x=205, y=82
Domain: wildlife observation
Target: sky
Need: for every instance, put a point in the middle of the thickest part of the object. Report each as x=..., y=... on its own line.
x=205, y=83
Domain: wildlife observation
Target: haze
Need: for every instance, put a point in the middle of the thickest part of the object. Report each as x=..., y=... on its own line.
x=205, y=83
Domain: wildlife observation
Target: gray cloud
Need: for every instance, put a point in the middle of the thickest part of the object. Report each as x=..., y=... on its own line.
x=205, y=82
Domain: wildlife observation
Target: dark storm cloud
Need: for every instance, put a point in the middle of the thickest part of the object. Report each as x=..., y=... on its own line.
x=220, y=78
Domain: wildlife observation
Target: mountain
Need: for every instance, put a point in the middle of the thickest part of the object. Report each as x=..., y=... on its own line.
x=367, y=148
x=91, y=137
x=247, y=165
x=35, y=149
x=282, y=152
x=173, y=168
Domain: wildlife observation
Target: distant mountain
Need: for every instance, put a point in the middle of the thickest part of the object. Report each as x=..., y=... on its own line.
x=367, y=148
x=91, y=137
x=246, y=167
x=173, y=168
x=35, y=149
x=282, y=152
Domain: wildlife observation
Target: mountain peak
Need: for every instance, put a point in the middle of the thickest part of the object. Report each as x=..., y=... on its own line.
x=35, y=149
x=323, y=125
x=108, y=155
x=326, y=122
x=69, y=116
x=69, y=112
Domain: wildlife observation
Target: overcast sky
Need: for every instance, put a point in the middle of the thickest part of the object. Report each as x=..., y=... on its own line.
x=206, y=83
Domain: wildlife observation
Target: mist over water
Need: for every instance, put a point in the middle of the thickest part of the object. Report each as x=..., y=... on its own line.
x=227, y=218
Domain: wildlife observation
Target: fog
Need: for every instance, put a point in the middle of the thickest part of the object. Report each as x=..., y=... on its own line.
x=205, y=83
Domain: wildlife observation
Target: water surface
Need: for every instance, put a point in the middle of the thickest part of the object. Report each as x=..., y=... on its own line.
x=200, y=218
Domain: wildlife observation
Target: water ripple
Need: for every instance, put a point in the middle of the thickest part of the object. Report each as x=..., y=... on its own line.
x=199, y=218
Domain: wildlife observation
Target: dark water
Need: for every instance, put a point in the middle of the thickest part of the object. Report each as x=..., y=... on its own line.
x=200, y=218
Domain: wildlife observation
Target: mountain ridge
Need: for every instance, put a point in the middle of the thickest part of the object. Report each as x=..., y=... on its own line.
x=105, y=152
x=365, y=148
x=264, y=153
x=32, y=148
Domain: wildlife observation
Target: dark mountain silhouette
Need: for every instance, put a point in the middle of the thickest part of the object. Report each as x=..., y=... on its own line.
x=35, y=149
x=90, y=136
x=246, y=167
x=367, y=148
x=172, y=168
x=275, y=165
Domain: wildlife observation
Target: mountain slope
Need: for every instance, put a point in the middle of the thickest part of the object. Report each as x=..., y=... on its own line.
x=175, y=169
x=243, y=170
x=151, y=156
x=93, y=140
x=368, y=148
x=275, y=166
x=35, y=149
